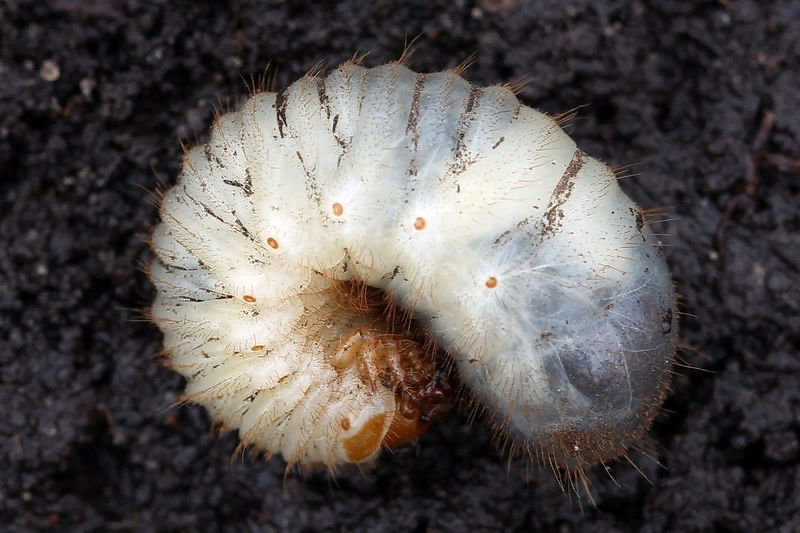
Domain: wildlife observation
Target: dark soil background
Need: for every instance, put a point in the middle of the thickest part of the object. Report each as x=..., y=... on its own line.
x=95, y=96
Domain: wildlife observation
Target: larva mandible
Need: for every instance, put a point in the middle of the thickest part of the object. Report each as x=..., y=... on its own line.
x=330, y=237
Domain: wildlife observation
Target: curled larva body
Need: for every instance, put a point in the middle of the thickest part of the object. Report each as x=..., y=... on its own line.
x=517, y=254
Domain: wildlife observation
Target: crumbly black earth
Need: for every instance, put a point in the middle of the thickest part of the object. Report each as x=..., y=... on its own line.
x=701, y=96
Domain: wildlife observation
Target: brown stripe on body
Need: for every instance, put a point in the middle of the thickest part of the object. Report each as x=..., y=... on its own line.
x=248, y=182
x=281, y=100
x=312, y=191
x=211, y=157
x=364, y=76
x=460, y=160
x=475, y=92
x=554, y=214
x=324, y=101
x=413, y=116
x=412, y=128
x=206, y=208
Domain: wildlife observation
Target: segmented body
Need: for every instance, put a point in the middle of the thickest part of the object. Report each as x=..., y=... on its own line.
x=517, y=254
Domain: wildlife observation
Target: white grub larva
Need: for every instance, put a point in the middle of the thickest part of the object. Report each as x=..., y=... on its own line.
x=331, y=237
